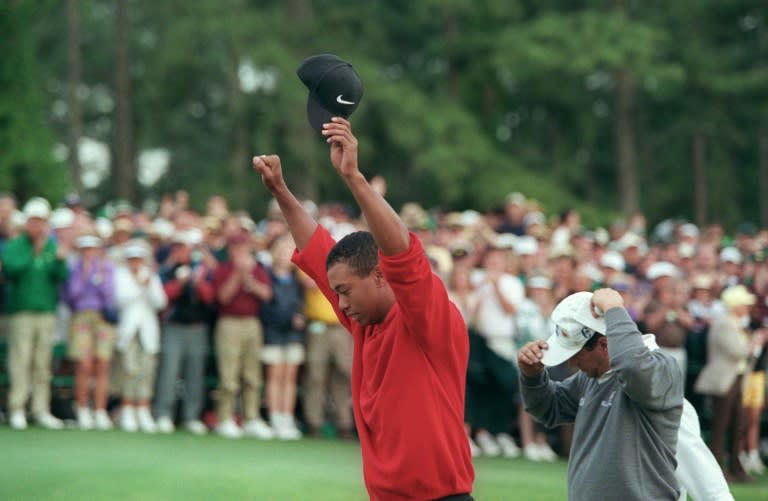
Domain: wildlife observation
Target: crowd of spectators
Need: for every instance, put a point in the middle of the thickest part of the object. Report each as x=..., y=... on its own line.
x=141, y=300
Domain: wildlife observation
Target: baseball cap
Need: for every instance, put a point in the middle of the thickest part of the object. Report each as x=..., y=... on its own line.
x=738, y=295
x=334, y=87
x=661, y=269
x=574, y=325
x=87, y=241
x=136, y=249
x=613, y=260
x=62, y=218
x=526, y=246
x=37, y=207
x=730, y=255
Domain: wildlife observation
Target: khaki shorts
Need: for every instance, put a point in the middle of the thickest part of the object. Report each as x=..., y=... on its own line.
x=291, y=353
x=754, y=390
x=90, y=335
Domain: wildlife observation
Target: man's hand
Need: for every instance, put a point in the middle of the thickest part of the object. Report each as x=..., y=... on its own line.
x=605, y=299
x=271, y=171
x=343, y=143
x=529, y=358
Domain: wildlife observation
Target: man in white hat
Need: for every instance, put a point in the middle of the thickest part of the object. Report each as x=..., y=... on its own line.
x=34, y=267
x=626, y=401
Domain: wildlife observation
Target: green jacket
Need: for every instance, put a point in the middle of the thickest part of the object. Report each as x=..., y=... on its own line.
x=33, y=281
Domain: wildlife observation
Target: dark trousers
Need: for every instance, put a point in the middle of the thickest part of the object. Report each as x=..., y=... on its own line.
x=728, y=416
x=456, y=497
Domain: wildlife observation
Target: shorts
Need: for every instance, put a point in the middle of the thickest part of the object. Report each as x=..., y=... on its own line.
x=291, y=353
x=90, y=335
x=754, y=390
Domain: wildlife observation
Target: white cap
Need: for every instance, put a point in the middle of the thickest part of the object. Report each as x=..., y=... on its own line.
x=104, y=227
x=37, y=207
x=738, y=295
x=136, y=249
x=574, y=325
x=539, y=282
x=613, y=260
x=189, y=237
x=87, y=241
x=62, y=218
x=730, y=255
x=526, y=246
x=470, y=217
x=689, y=230
x=163, y=228
x=505, y=241
x=630, y=239
x=686, y=250
x=661, y=269
x=534, y=217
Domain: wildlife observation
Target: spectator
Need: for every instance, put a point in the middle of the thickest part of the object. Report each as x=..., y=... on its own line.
x=514, y=212
x=667, y=317
x=284, y=325
x=139, y=295
x=729, y=349
x=90, y=292
x=241, y=285
x=188, y=284
x=34, y=267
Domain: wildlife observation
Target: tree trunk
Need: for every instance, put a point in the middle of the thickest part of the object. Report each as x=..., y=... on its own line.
x=700, y=198
x=124, y=173
x=763, y=166
x=624, y=133
x=74, y=79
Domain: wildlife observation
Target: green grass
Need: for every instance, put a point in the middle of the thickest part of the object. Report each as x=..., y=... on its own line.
x=72, y=465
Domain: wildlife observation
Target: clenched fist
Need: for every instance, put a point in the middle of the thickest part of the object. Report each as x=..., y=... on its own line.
x=529, y=358
x=271, y=171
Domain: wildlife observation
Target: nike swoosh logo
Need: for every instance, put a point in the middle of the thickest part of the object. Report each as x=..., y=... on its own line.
x=340, y=100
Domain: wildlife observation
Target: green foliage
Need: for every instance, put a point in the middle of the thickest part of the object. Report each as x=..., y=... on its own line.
x=464, y=101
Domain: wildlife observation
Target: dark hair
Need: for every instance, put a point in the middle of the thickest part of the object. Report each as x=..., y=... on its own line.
x=357, y=250
x=592, y=342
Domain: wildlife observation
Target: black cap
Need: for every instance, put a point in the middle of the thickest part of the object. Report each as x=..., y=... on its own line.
x=335, y=89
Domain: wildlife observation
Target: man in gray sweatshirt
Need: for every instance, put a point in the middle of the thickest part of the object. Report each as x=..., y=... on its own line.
x=625, y=402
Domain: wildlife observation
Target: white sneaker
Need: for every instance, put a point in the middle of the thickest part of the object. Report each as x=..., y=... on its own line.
x=259, y=429
x=146, y=423
x=18, y=420
x=128, y=418
x=756, y=463
x=532, y=452
x=508, y=446
x=229, y=429
x=49, y=421
x=101, y=420
x=84, y=418
x=473, y=448
x=196, y=427
x=487, y=444
x=286, y=429
x=546, y=453
x=745, y=461
x=165, y=425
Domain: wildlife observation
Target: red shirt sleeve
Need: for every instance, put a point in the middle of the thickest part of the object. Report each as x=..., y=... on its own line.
x=420, y=294
x=311, y=260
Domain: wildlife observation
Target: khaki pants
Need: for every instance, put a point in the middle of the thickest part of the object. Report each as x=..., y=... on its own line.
x=139, y=369
x=30, y=345
x=329, y=354
x=238, y=355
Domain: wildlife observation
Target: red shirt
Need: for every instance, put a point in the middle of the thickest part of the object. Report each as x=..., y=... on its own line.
x=242, y=304
x=408, y=380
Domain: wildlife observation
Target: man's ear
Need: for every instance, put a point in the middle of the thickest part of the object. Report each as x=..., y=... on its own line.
x=378, y=277
x=603, y=341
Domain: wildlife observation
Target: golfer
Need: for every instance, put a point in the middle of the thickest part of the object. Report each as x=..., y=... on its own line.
x=410, y=341
x=626, y=401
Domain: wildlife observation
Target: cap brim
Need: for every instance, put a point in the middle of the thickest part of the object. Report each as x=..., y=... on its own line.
x=316, y=114
x=556, y=354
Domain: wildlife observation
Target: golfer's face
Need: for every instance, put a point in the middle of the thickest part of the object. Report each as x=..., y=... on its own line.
x=593, y=362
x=357, y=295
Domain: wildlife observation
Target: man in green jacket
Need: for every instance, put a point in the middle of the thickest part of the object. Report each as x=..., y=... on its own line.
x=34, y=267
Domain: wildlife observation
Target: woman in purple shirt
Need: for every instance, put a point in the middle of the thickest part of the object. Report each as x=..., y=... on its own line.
x=90, y=292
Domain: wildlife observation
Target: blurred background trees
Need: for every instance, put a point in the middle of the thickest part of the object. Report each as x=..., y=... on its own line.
x=610, y=106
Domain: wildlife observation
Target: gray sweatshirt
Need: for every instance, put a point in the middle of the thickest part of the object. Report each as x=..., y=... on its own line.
x=625, y=422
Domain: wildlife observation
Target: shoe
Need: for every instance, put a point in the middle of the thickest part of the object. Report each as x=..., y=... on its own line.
x=286, y=429
x=531, y=452
x=347, y=434
x=101, y=420
x=146, y=423
x=49, y=421
x=259, y=429
x=474, y=449
x=508, y=446
x=758, y=468
x=196, y=427
x=229, y=429
x=18, y=420
x=128, y=418
x=84, y=418
x=546, y=453
x=165, y=425
x=487, y=444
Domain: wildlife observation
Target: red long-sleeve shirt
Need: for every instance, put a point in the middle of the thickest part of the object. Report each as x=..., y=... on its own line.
x=408, y=380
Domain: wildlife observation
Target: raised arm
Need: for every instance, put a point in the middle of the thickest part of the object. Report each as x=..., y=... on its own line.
x=388, y=230
x=300, y=222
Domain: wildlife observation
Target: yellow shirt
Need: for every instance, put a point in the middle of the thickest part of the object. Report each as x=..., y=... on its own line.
x=317, y=308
